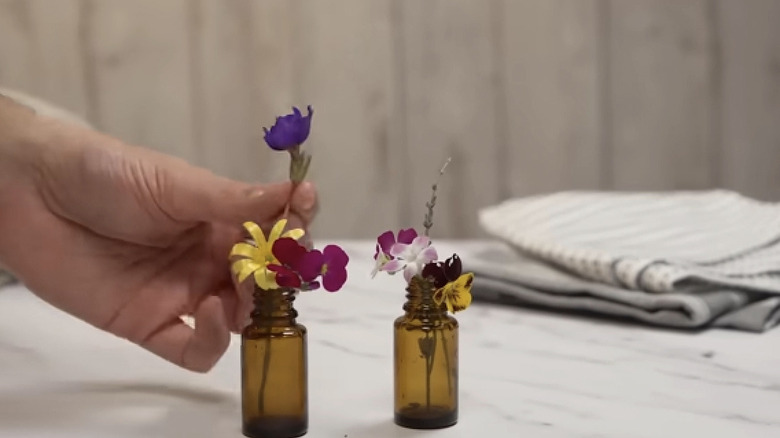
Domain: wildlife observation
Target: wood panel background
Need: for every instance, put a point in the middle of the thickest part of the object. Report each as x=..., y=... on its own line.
x=526, y=96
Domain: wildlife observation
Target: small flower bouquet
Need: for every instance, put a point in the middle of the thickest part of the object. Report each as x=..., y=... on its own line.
x=274, y=382
x=426, y=336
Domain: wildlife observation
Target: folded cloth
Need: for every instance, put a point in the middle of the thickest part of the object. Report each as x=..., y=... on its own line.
x=6, y=278
x=506, y=276
x=684, y=259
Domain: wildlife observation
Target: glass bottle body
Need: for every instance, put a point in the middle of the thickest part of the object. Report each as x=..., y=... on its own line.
x=426, y=364
x=274, y=373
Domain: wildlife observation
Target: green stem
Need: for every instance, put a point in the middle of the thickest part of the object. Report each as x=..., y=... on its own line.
x=266, y=365
x=447, y=362
x=429, y=369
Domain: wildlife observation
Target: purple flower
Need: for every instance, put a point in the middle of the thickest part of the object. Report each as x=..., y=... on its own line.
x=384, y=245
x=289, y=131
x=411, y=257
x=331, y=264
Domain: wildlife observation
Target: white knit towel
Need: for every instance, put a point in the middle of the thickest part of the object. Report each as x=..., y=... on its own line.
x=656, y=242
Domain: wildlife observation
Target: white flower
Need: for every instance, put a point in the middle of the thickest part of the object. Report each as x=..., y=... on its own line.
x=411, y=257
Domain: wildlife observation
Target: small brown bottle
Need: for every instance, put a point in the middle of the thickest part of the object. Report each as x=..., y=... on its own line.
x=274, y=374
x=426, y=362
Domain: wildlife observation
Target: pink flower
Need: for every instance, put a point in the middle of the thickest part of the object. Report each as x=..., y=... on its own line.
x=384, y=245
x=411, y=257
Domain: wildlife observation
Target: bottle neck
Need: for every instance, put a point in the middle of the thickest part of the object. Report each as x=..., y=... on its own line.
x=419, y=299
x=274, y=307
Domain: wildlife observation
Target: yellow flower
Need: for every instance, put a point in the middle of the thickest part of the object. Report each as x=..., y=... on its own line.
x=455, y=294
x=256, y=257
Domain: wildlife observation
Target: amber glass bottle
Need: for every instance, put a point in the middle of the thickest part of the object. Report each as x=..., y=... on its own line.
x=426, y=362
x=274, y=377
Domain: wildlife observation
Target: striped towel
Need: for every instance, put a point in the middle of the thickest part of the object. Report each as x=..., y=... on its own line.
x=703, y=255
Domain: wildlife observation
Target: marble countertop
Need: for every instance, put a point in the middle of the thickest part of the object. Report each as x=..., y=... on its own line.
x=523, y=373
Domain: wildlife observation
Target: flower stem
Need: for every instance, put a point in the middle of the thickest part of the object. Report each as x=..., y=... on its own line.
x=429, y=369
x=446, y=361
x=266, y=363
x=428, y=222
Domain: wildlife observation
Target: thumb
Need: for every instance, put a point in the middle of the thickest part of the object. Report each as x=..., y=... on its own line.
x=200, y=195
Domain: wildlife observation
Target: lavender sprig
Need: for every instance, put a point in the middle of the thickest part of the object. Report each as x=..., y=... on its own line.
x=428, y=221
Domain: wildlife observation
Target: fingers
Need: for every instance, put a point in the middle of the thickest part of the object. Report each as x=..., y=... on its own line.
x=305, y=202
x=196, y=349
x=198, y=195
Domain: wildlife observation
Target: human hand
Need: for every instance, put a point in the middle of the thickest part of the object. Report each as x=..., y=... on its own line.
x=128, y=239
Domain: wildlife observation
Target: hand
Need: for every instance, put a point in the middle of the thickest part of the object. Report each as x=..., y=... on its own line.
x=128, y=239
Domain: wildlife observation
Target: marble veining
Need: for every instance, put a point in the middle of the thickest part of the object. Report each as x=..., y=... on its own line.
x=523, y=373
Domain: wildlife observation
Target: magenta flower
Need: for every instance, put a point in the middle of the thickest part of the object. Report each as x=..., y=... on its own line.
x=289, y=131
x=331, y=264
x=411, y=257
x=384, y=245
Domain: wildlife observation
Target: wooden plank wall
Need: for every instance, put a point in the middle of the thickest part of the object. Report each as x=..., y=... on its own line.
x=527, y=96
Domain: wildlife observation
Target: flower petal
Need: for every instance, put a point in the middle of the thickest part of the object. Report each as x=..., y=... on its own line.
x=285, y=277
x=310, y=266
x=407, y=235
x=244, y=268
x=436, y=272
x=295, y=233
x=257, y=233
x=420, y=242
x=393, y=266
x=453, y=267
x=428, y=255
x=246, y=250
x=458, y=293
x=276, y=231
x=398, y=249
x=265, y=279
x=335, y=257
x=386, y=241
x=288, y=252
x=334, y=279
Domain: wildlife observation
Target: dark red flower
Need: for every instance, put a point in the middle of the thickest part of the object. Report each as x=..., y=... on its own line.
x=289, y=252
x=443, y=272
x=285, y=277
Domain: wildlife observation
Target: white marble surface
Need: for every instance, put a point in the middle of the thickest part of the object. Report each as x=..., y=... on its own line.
x=523, y=374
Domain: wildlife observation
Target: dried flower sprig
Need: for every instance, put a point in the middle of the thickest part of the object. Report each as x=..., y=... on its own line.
x=428, y=222
x=415, y=255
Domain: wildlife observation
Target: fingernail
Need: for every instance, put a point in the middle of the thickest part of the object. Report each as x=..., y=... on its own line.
x=255, y=192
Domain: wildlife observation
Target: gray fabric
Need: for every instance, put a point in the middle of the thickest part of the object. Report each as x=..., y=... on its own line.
x=6, y=278
x=508, y=277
